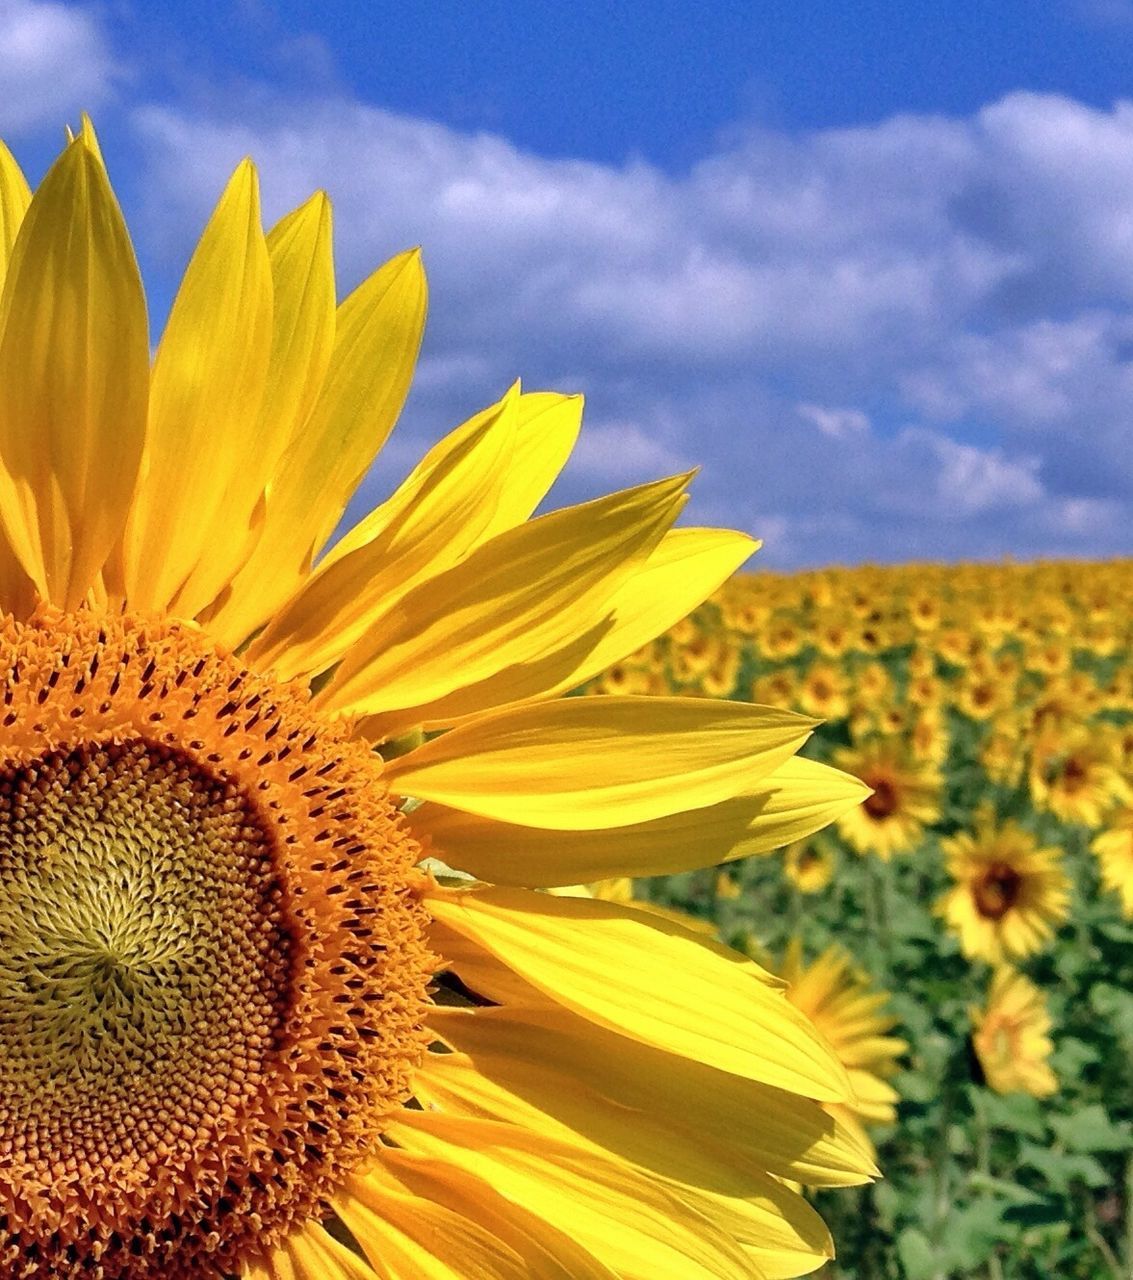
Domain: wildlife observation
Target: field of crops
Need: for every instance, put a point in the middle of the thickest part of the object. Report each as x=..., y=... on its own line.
x=964, y=938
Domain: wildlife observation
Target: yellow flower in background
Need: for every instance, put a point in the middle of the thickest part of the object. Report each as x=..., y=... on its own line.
x=1011, y=1037
x=809, y=865
x=1114, y=850
x=1009, y=894
x=823, y=692
x=842, y=1002
x=905, y=799
x=1076, y=774
x=223, y=913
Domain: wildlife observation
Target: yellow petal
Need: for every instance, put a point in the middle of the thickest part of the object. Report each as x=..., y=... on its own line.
x=633, y=1223
x=377, y=336
x=799, y=798
x=302, y=275
x=208, y=383
x=778, y=1231
x=644, y=977
x=428, y=1221
x=582, y=763
x=74, y=375
x=17, y=592
x=546, y=429
x=529, y=590
x=661, y=1111
x=15, y=196
x=548, y=1253
x=687, y=566
x=724, y=1177
x=432, y=521
x=310, y=1253
x=546, y=432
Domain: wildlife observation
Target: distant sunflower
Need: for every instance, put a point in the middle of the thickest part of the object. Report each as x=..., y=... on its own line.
x=809, y=865
x=1011, y=1037
x=905, y=799
x=823, y=692
x=255, y=982
x=1114, y=850
x=1076, y=773
x=843, y=1004
x=1008, y=894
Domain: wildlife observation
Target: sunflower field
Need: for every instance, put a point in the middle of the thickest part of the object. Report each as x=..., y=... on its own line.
x=964, y=938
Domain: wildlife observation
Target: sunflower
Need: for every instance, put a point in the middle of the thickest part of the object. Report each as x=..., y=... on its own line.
x=841, y=1001
x=1011, y=1037
x=276, y=966
x=905, y=799
x=1076, y=774
x=1008, y=895
x=809, y=865
x=823, y=692
x=1114, y=850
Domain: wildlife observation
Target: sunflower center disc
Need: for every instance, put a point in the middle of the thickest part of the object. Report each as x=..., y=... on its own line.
x=144, y=963
x=997, y=891
x=212, y=971
x=883, y=802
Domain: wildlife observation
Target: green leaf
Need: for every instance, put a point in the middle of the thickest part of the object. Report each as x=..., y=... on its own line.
x=916, y=1253
x=1090, y=1129
x=1037, y=1213
x=1061, y=1169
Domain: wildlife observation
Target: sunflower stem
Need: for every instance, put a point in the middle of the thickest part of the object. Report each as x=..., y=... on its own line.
x=1128, y=1243
x=983, y=1164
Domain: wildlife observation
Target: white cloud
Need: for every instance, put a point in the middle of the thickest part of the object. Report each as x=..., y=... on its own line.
x=623, y=453
x=970, y=280
x=966, y=481
x=838, y=424
x=55, y=62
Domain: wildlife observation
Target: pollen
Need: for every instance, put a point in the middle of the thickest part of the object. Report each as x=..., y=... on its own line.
x=212, y=969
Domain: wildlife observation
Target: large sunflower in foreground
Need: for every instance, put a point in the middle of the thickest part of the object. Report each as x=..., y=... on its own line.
x=280, y=994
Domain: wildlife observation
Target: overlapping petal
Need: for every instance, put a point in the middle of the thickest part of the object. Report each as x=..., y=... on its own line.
x=525, y=591
x=796, y=799
x=376, y=339
x=586, y=763
x=303, y=321
x=712, y=1008
x=309, y=1253
x=74, y=376
x=583, y=1194
x=208, y=384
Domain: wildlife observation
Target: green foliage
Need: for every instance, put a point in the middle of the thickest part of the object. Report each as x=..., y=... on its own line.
x=976, y=1184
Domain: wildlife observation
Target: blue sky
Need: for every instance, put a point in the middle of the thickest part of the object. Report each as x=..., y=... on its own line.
x=871, y=268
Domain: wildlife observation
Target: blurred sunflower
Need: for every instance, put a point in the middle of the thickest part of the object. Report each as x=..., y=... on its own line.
x=905, y=799
x=1076, y=774
x=809, y=865
x=254, y=980
x=1011, y=1037
x=1114, y=850
x=823, y=692
x=1008, y=894
x=843, y=1004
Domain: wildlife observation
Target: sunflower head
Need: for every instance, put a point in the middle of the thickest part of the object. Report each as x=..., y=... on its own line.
x=905, y=797
x=1114, y=850
x=1008, y=893
x=278, y=818
x=1011, y=1037
x=849, y=1011
x=809, y=865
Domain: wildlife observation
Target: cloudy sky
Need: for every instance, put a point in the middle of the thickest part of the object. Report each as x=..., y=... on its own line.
x=872, y=271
